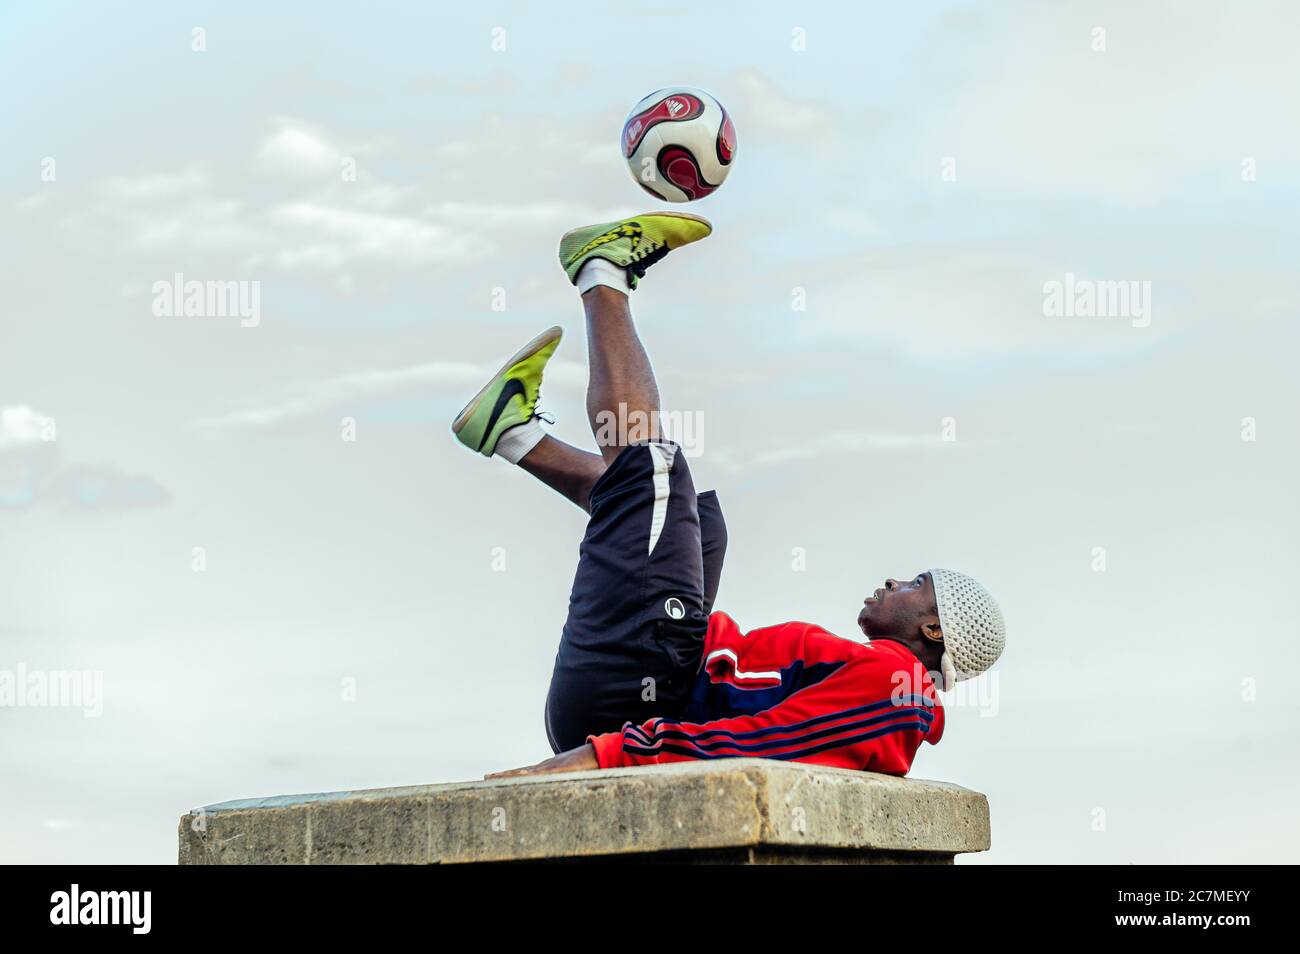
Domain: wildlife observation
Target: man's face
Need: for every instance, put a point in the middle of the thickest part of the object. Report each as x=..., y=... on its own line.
x=899, y=608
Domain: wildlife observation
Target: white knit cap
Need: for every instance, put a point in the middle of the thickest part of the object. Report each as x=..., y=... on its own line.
x=974, y=633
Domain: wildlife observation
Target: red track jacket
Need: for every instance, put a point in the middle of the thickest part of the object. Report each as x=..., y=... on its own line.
x=792, y=692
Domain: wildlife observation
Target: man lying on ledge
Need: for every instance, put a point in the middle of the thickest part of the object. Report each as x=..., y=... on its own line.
x=646, y=673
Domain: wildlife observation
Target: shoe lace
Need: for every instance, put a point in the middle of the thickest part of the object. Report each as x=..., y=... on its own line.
x=546, y=416
x=640, y=262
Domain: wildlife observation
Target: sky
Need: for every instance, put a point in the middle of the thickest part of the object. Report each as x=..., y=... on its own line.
x=280, y=574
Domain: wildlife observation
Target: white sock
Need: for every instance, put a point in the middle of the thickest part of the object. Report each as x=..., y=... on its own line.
x=601, y=271
x=515, y=443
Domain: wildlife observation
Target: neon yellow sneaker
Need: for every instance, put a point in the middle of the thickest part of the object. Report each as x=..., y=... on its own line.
x=634, y=244
x=508, y=399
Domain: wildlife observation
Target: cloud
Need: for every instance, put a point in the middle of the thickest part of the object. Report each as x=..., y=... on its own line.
x=154, y=187
x=28, y=455
x=32, y=472
x=32, y=202
x=958, y=304
x=20, y=426
x=823, y=446
x=295, y=149
x=540, y=214
x=280, y=206
x=1059, y=116
x=102, y=487
x=855, y=442
x=333, y=237
x=354, y=389
x=769, y=112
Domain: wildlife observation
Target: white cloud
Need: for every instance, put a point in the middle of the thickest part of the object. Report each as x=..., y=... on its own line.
x=534, y=215
x=1180, y=90
x=102, y=487
x=824, y=446
x=165, y=185
x=770, y=112
x=295, y=148
x=29, y=455
x=354, y=389
x=31, y=471
x=456, y=151
x=353, y=236
x=941, y=304
x=283, y=206
x=29, y=203
x=851, y=442
x=21, y=426
x=200, y=222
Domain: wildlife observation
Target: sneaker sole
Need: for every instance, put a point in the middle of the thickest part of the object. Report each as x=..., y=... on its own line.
x=527, y=351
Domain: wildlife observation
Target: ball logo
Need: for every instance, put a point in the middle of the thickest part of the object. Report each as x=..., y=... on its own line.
x=675, y=108
x=674, y=607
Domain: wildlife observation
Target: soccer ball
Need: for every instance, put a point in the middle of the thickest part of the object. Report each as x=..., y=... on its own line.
x=679, y=144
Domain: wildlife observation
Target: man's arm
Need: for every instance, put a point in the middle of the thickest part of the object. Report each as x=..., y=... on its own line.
x=581, y=759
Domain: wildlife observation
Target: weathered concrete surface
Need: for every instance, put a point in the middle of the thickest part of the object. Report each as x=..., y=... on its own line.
x=732, y=810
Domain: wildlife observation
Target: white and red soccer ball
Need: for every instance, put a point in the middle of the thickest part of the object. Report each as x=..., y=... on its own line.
x=679, y=144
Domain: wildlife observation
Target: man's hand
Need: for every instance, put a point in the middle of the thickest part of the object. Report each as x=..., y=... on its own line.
x=581, y=759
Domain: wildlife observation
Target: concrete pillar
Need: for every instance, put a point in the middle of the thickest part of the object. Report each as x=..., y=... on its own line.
x=734, y=811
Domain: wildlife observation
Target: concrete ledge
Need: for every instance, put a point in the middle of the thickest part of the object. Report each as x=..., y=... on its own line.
x=731, y=811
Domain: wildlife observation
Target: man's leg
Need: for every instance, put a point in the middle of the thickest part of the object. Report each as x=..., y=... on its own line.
x=622, y=393
x=502, y=420
x=713, y=544
x=565, y=469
